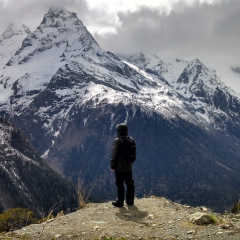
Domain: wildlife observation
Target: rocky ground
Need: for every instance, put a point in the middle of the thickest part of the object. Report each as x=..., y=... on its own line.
x=150, y=218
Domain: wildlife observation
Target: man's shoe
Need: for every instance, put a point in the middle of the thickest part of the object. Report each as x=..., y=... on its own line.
x=130, y=204
x=115, y=204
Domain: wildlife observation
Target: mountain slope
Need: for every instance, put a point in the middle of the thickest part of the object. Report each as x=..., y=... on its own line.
x=174, y=158
x=67, y=95
x=25, y=180
x=10, y=42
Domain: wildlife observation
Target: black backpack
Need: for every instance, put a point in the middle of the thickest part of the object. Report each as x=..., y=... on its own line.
x=129, y=149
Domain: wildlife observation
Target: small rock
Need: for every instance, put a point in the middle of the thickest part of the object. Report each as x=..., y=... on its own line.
x=204, y=209
x=191, y=231
x=218, y=233
x=50, y=220
x=150, y=216
x=58, y=235
x=96, y=227
x=60, y=214
x=99, y=222
x=226, y=226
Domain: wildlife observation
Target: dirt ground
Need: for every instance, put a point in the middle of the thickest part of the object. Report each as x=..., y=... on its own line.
x=150, y=218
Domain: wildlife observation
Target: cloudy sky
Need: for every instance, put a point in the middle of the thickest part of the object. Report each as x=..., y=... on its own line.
x=206, y=29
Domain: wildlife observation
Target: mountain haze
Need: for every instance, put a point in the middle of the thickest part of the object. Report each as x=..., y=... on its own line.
x=67, y=95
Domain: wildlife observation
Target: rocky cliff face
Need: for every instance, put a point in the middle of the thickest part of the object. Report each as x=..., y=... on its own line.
x=67, y=95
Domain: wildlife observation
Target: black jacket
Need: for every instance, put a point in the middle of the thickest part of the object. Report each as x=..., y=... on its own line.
x=117, y=162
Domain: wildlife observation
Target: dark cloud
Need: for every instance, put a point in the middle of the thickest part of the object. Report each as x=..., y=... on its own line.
x=209, y=31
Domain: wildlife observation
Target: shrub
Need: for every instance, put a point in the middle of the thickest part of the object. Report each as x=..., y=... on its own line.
x=213, y=218
x=236, y=208
x=15, y=218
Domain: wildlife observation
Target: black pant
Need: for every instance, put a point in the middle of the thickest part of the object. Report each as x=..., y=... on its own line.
x=126, y=177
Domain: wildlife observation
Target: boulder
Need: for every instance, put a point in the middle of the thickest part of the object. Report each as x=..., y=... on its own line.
x=200, y=218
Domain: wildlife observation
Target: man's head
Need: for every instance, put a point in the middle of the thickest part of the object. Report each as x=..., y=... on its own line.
x=122, y=129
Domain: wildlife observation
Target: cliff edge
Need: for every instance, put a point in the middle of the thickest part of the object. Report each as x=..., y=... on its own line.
x=150, y=218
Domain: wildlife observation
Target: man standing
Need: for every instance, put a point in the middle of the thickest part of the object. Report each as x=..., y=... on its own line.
x=123, y=156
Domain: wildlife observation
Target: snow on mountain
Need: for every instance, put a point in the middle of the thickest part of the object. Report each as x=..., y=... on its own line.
x=10, y=42
x=229, y=75
x=205, y=95
x=197, y=80
x=42, y=53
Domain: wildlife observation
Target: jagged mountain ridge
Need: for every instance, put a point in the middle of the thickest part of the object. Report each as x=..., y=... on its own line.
x=212, y=101
x=10, y=42
x=26, y=180
x=67, y=95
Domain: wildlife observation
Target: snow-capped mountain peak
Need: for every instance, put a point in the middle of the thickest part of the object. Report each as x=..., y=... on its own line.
x=64, y=21
x=57, y=17
x=14, y=30
x=59, y=28
x=197, y=85
x=196, y=76
x=197, y=80
x=60, y=38
x=10, y=42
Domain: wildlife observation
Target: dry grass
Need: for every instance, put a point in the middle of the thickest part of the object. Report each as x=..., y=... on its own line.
x=82, y=195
